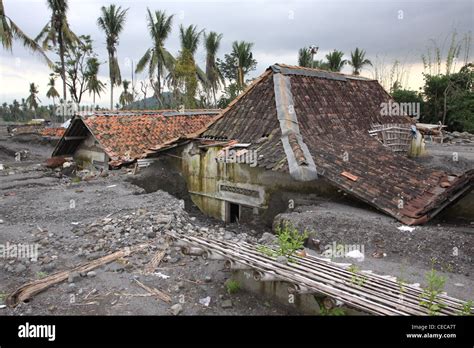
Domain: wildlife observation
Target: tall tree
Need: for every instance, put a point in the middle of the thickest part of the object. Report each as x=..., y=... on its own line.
x=358, y=61
x=57, y=33
x=157, y=57
x=304, y=57
x=94, y=85
x=186, y=73
x=213, y=73
x=52, y=93
x=112, y=22
x=244, y=62
x=32, y=100
x=9, y=31
x=335, y=61
x=126, y=97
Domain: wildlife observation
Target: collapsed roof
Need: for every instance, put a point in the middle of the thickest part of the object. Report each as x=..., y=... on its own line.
x=311, y=123
x=129, y=135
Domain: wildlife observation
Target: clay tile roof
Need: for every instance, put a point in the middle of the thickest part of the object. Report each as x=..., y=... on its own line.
x=53, y=132
x=129, y=135
x=307, y=121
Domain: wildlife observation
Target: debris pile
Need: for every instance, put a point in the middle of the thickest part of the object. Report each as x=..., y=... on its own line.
x=459, y=138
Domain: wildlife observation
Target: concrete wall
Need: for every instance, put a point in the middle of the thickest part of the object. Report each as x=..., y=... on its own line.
x=261, y=194
x=89, y=155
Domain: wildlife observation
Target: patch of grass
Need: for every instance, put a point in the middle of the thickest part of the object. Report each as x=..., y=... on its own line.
x=467, y=308
x=232, y=286
x=76, y=180
x=430, y=296
x=41, y=274
x=336, y=311
x=356, y=278
x=3, y=296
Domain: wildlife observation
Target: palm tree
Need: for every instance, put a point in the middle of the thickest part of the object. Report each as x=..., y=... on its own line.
x=112, y=22
x=157, y=57
x=94, y=85
x=57, y=33
x=304, y=57
x=186, y=71
x=213, y=73
x=358, y=61
x=189, y=37
x=52, y=93
x=32, y=100
x=335, y=61
x=242, y=51
x=10, y=31
x=126, y=97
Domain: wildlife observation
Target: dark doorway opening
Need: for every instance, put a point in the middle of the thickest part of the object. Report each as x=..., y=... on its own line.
x=234, y=212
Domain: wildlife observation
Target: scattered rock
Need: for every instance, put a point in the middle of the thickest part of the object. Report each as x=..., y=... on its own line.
x=176, y=309
x=226, y=304
x=267, y=238
x=91, y=274
x=73, y=277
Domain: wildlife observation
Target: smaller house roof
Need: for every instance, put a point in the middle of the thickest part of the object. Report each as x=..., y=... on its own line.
x=129, y=135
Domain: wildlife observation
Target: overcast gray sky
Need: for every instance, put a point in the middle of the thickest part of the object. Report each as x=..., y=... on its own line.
x=389, y=29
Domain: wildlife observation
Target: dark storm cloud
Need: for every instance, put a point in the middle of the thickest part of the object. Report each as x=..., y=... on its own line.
x=395, y=29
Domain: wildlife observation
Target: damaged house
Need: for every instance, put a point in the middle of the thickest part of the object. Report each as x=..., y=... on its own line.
x=297, y=132
x=116, y=138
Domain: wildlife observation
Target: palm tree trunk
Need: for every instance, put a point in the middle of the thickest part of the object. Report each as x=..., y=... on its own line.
x=111, y=95
x=215, y=100
x=63, y=66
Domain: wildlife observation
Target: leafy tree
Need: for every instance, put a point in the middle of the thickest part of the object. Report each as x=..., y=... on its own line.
x=94, y=85
x=76, y=63
x=52, y=93
x=157, y=58
x=32, y=100
x=230, y=93
x=213, y=73
x=449, y=99
x=112, y=22
x=358, y=61
x=57, y=33
x=335, y=61
x=126, y=97
x=9, y=31
x=304, y=57
x=238, y=63
x=186, y=72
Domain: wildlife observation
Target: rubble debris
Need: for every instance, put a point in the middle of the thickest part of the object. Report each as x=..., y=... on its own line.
x=55, y=162
x=28, y=290
x=226, y=304
x=205, y=301
x=176, y=309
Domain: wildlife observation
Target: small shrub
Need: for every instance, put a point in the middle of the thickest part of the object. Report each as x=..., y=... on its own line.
x=356, y=278
x=76, y=179
x=289, y=240
x=467, y=308
x=41, y=274
x=430, y=296
x=232, y=286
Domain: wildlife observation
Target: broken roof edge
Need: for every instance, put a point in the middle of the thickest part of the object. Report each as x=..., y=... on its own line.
x=286, y=69
x=74, y=120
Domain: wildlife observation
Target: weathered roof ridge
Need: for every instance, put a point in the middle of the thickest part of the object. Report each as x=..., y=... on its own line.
x=163, y=112
x=314, y=72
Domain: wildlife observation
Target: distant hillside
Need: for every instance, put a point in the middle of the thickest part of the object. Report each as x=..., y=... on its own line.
x=167, y=98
